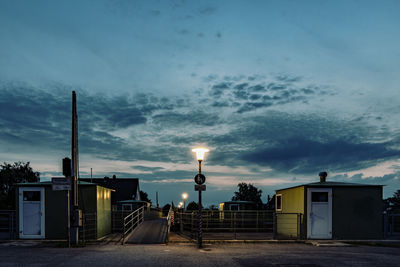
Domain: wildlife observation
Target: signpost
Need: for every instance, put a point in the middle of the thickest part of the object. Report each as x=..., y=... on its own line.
x=61, y=183
x=64, y=184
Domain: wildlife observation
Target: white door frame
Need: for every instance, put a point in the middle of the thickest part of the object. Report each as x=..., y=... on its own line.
x=309, y=191
x=21, y=212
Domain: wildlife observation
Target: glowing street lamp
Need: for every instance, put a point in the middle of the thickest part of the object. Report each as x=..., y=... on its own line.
x=180, y=205
x=200, y=179
x=184, y=196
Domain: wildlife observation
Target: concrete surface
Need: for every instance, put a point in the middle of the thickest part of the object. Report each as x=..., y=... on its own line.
x=257, y=254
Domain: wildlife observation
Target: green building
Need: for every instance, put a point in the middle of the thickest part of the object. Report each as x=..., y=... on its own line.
x=329, y=210
x=42, y=212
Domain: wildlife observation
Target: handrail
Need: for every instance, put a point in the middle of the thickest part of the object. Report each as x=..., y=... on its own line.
x=170, y=218
x=131, y=221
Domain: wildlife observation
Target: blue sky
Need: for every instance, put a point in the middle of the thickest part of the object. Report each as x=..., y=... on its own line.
x=278, y=90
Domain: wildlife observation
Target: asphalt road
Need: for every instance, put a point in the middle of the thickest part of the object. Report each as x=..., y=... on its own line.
x=188, y=255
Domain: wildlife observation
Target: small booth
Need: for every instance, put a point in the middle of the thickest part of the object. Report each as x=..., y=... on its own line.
x=42, y=212
x=329, y=210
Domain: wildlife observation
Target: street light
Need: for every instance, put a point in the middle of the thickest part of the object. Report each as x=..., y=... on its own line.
x=180, y=205
x=200, y=179
x=184, y=196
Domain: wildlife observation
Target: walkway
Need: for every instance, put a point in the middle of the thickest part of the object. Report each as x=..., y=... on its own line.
x=150, y=232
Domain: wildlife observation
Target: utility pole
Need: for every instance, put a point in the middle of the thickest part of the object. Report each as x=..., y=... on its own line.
x=157, y=199
x=74, y=180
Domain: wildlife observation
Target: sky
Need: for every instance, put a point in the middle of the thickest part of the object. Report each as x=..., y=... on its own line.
x=277, y=90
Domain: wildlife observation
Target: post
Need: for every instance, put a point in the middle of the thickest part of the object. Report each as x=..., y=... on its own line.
x=275, y=225
x=68, y=220
x=181, y=222
x=74, y=151
x=234, y=224
x=200, y=235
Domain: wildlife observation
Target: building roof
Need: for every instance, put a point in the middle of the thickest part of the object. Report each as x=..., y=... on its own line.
x=126, y=188
x=331, y=184
x=238, y=202
x=49, y=183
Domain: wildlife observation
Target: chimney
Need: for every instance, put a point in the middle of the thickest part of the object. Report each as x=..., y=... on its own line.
x=114, y=177
x=322, y=177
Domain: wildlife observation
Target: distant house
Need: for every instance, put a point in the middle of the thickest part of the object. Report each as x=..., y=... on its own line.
x=125, y=188
x=330, y=210
x=237, y=205
x=42, y=212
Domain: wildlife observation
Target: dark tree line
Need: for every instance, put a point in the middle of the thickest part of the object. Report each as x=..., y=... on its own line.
x=10, y=174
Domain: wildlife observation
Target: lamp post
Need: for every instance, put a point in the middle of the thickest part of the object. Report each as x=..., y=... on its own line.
x=200, y=179
x=184, y=196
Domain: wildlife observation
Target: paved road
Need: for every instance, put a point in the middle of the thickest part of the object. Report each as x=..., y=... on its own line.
x=150, y=232
x=212, y=255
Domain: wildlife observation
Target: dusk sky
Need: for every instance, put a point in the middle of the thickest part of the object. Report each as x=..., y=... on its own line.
x=277, y=90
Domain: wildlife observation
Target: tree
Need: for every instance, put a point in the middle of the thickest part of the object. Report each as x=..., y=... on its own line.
x=248, y=192
x=144, y=196
x=396, y=198
x=192, y=206
x=11, y=174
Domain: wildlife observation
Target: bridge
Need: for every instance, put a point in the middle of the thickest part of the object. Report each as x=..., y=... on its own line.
x=146, y=227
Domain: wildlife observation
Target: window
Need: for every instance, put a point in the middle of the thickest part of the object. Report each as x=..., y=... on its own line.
x=278, y=202
x=126, y=207
x=234, y=206
x=31, y=195
x=319, y=197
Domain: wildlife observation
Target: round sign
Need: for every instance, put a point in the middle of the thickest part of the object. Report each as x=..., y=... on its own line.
x=199, y=178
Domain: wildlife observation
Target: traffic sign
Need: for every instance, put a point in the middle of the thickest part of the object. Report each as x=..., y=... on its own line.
x=200, y=187
x=199, y=178
x=62, y=183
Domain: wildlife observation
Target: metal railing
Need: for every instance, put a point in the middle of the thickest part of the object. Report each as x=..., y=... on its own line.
x=288, y=225
x=170, y=219
x=226, y=221
x=117, y=221
x=391, y=225
x=132, y=221
x=88, y=230
x=7, y=224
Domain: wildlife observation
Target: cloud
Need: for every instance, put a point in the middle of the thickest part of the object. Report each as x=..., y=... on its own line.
x=260, y=92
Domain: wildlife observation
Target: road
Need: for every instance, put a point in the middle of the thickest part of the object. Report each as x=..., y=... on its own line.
x=251, y=254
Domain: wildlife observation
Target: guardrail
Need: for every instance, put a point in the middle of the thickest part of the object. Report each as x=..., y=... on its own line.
x=7, y=224
x=132, y=221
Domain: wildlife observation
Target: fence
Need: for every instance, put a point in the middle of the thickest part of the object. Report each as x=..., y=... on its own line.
x=88, y=230
x=226, y=221
x=392, y=225
x=7, y=224
x=132, y=221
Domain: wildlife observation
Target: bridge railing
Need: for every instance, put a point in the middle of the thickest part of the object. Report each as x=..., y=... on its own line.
x=227, y=221
x=170, y=218
x=132, y=221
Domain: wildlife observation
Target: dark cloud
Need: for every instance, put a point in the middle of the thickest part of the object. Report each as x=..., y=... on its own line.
x=218, y=89
x=300, y=155
x=174, y=119
x=259, y=92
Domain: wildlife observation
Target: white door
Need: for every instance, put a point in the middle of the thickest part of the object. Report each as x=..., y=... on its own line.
x=319, y=213
x=31, y=212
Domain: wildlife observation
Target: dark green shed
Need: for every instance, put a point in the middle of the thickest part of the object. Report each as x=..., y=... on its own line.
x=41, y=212
x=330, y=210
